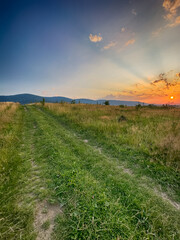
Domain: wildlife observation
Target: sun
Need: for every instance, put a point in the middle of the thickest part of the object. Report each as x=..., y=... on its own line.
x=171, y=97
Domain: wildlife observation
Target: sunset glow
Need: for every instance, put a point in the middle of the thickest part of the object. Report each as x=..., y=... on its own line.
x=124, y=50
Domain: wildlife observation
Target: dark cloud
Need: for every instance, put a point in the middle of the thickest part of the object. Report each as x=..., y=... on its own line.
x=168, y=82
x=162, y=87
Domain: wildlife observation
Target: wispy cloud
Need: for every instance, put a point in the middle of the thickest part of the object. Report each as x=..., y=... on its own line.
x=123, y=29
x=175, y=23
x=95, y=38
x=157, y=32
x=110, y=45
x=129, y=42
x=172, y=17
x=164, y=81
x=133, y=11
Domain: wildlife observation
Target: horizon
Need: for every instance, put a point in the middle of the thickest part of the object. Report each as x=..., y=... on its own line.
x=100, y=99
x=111, y=50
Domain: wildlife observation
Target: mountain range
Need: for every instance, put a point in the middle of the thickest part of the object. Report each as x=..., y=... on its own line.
x=30, y=98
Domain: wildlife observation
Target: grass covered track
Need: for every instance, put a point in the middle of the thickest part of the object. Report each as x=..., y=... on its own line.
x=115, y=138
x=99, y=189
x=100, y=200
x=15, y=222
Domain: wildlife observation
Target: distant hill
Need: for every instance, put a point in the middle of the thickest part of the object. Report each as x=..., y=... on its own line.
x=30, y=98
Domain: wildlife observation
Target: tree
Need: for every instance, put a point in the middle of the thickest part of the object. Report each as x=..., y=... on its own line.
x=106, y=102
x=138, y=106
x=73, y=102
x=43, y=102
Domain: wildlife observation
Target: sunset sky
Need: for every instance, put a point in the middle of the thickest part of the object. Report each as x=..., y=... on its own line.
x=109, y=49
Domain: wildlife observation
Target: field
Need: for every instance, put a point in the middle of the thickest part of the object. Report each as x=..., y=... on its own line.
x=76, y=171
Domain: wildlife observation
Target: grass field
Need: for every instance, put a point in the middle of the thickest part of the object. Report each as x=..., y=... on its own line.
x=73, y=171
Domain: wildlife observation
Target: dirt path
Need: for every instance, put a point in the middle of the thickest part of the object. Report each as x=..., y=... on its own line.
x=35, y=193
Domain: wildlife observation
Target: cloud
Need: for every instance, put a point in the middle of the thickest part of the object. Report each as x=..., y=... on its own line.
x=175, y=23
x=129, y=42
x=171, y=7
x=134, y=12
x=158, y=90
x=95, y=38
x=157, y=32
x=123, y=29
x=110, y=45
x=163, y=81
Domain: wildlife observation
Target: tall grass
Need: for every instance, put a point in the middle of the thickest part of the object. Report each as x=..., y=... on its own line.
x=100, y=199
x=13, y=221
x=155, y=132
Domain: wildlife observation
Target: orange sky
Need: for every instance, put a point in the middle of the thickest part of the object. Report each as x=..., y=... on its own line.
x=158, y=90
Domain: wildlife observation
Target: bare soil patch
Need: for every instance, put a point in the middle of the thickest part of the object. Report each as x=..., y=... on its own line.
x=45, y=215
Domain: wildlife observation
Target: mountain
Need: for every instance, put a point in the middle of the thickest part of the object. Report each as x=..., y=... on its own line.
x=30, y=98
x=111, y=102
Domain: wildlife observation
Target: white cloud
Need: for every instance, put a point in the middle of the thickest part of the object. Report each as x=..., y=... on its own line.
x=110, y=45
x=134, y=12
x=95, y=38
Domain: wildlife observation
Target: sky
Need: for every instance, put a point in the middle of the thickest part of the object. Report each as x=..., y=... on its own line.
x=105, y=49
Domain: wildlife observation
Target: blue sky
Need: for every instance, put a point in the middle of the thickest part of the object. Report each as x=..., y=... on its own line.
x=91, y=49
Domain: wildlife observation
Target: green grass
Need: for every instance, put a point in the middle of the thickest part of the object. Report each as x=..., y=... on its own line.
x=14, y=220
x=138, y=150
x=100, y=200
x=46, y=225
x=107, y=187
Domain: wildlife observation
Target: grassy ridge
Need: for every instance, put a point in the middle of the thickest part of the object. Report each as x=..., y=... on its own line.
x=100, y=200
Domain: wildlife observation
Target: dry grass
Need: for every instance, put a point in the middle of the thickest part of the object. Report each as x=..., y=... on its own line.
x=7, y=111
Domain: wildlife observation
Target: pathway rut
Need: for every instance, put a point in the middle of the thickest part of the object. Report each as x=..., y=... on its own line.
x=59, y=146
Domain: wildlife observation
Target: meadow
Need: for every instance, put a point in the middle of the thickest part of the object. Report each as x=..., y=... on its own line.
x=77, y=171
x=152, y=131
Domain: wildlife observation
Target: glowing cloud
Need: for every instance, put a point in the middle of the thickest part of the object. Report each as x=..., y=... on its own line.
x=110, y=45
x=123, y=29
x=95, y=38
x=171, y=8
x=175, y=23
x=129, y=42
